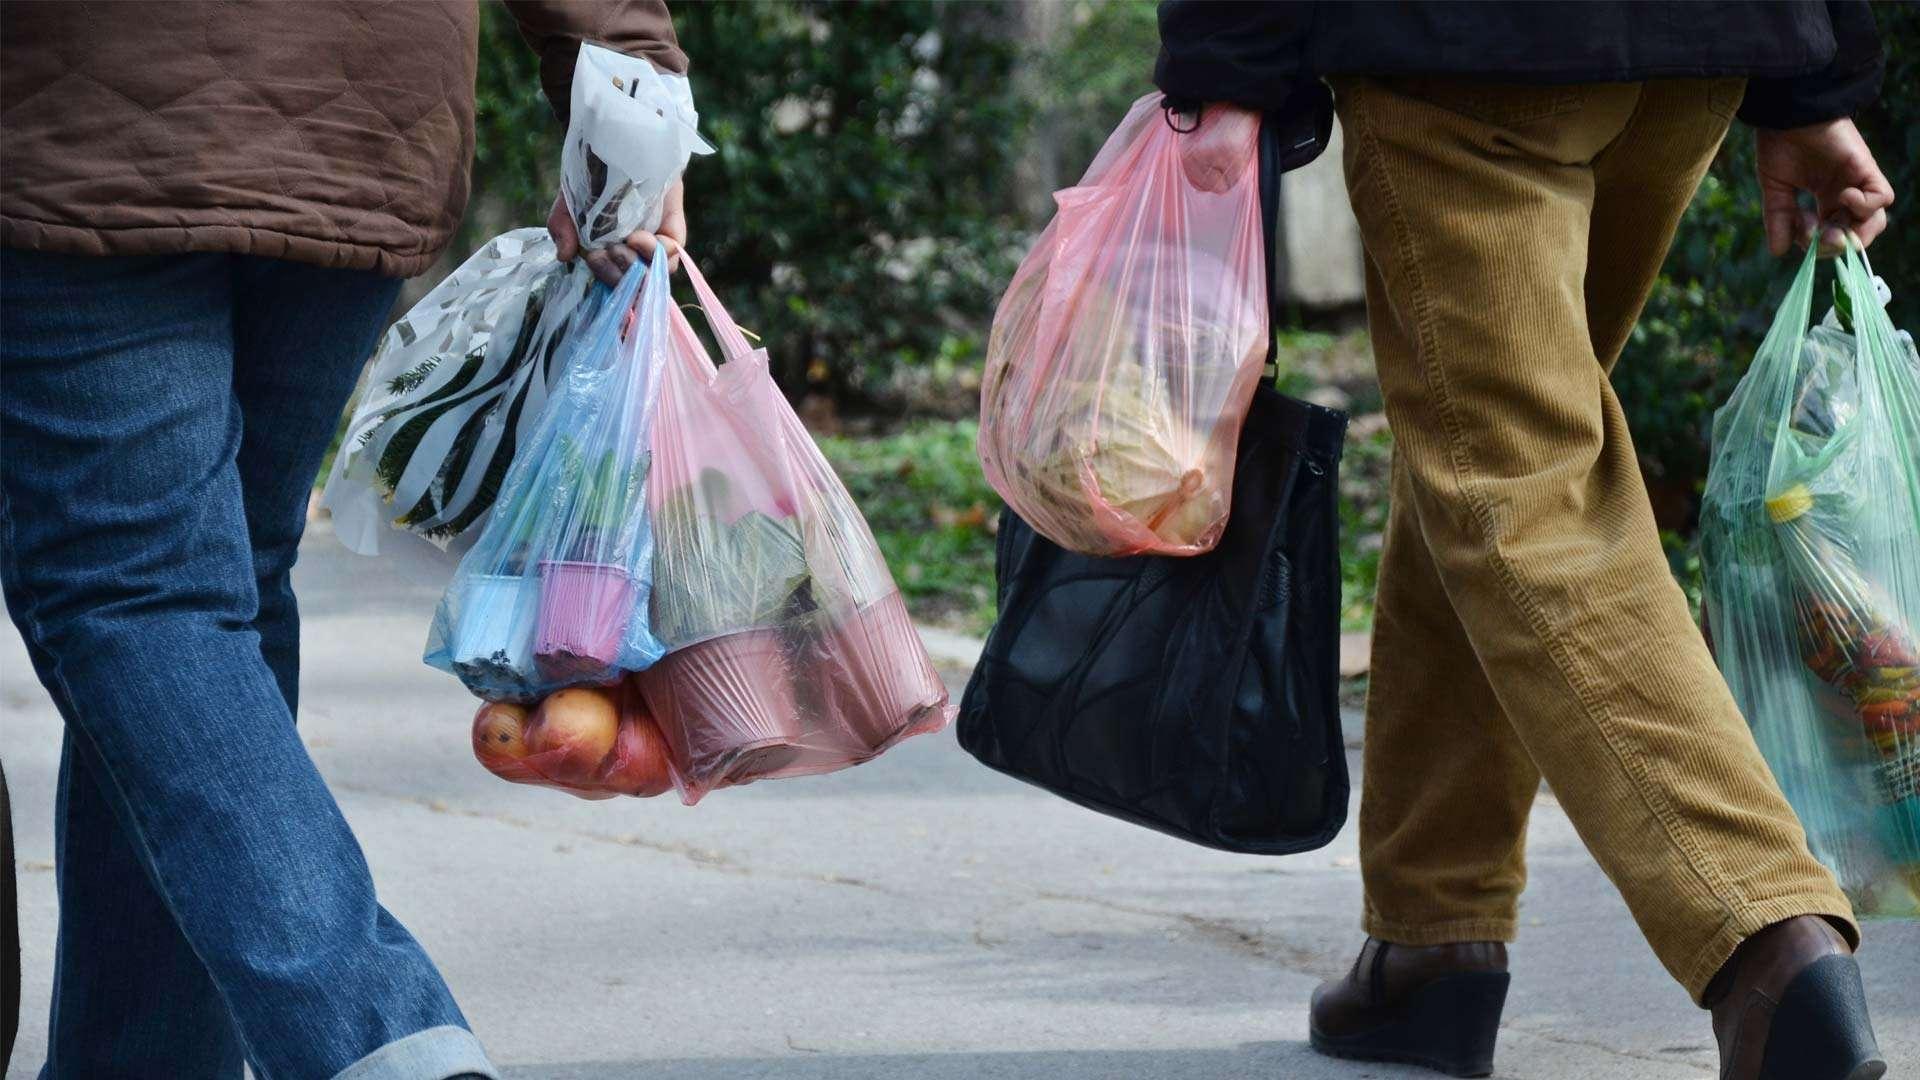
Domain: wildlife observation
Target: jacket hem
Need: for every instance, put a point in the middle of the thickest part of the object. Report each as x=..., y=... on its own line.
x=62, y=239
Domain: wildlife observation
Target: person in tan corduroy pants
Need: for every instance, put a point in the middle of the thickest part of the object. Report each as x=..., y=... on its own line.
x=1527, y=624
x=1518, y=170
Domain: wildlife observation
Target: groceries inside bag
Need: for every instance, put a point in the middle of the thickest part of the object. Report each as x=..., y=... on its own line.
x=675, y=567
x=1125, y=351
x=790, y=650
x=1811, y=546
x=590, y=742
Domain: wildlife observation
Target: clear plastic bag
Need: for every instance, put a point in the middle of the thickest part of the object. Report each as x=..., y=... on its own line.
x=1125, y=352
x=632, y=131
x=1810, y=539
x=791, y=648
x=553, y=593
x=456, y=386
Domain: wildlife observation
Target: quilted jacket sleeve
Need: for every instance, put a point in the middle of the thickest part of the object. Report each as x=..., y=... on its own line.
x=555, y=28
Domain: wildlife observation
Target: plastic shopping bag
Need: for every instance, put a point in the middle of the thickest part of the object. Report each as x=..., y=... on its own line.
x=1125, y=352
x=554, y=592
x=791, y=651
x=632, y=131
x=1811, y=544
x=457, y=384
x=592, y=743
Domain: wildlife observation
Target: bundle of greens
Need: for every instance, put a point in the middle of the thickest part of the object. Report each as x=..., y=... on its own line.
x=720, y=570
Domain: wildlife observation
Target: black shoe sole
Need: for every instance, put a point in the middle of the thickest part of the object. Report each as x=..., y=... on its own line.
x=1448, y=1025
x=1820, y=1029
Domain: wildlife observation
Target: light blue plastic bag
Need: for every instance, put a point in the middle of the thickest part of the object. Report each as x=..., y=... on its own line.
x=555, y=592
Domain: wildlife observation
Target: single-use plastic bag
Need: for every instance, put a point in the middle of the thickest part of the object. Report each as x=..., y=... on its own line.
x=632, y=130
x=1125, y=352
x=589, y=742
x=459, y=381
x=1811, y=545
x=553, y=593
x=791, y=651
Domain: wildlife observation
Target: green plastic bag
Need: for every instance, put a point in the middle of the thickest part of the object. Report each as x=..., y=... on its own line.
x=1810, y=538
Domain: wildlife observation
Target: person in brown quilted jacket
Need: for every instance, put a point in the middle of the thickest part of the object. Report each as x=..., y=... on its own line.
x=205, y=213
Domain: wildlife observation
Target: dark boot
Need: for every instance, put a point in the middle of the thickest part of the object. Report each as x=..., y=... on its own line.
x=1788, y=1006
x=1436, y=1006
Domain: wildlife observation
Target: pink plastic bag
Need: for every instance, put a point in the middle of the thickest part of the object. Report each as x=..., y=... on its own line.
x=789, y=646
x=1126, y=350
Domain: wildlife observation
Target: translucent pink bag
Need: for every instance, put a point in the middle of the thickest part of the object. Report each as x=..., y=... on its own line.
x=1125, y=352
x=789, y=646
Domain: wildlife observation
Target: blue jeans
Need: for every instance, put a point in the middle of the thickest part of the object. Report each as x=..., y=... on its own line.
x=161, y=421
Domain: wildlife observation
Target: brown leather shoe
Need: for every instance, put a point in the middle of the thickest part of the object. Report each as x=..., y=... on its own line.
x=1788, y=1006
x=1436, y=1006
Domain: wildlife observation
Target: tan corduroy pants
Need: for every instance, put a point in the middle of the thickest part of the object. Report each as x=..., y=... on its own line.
x=1527, y=624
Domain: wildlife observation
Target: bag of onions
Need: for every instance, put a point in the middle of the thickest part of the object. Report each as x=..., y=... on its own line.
x=590, y=742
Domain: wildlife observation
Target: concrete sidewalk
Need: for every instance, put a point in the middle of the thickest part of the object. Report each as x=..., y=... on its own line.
x=917, y=917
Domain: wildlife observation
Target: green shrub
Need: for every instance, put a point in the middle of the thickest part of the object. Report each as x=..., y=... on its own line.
x=933, y=514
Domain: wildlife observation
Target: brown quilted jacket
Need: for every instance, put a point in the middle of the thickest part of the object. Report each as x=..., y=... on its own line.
x=336, y=133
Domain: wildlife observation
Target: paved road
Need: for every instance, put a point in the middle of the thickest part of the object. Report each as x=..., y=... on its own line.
x=918, y=917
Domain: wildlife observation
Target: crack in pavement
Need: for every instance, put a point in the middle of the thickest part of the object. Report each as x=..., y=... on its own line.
x=1223, y=932
x=705, y=858
x=1588, y=1044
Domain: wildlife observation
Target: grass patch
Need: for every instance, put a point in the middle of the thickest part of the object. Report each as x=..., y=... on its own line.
x=1365, y=472
x=933, y=514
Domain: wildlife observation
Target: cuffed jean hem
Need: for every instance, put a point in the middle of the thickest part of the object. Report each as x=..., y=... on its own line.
x=1752, y=918
x=1447, y=933
x=433, y=1054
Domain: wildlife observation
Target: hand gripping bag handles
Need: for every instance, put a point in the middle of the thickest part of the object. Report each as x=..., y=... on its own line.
x=1126, y=348
x=1195, y=695
x=790, y=649
x=1810, y=537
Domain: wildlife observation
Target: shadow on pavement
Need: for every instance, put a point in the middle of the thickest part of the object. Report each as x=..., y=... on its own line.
x=1264, y=1060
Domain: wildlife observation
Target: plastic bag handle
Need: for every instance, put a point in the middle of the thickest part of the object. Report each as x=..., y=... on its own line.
x=732, y=342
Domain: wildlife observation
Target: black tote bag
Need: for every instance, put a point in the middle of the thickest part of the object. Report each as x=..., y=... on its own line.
x=1199, y=695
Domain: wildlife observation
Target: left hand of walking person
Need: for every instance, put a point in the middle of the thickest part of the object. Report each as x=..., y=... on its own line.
x=610, y=262
x=1214, y=154
x=1832, y=162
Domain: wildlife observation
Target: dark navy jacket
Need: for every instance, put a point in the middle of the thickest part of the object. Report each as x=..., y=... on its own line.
x=1806, y=60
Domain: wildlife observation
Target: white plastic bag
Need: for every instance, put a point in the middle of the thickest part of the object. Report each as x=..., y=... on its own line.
x=458, y=382
x=632, y=132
